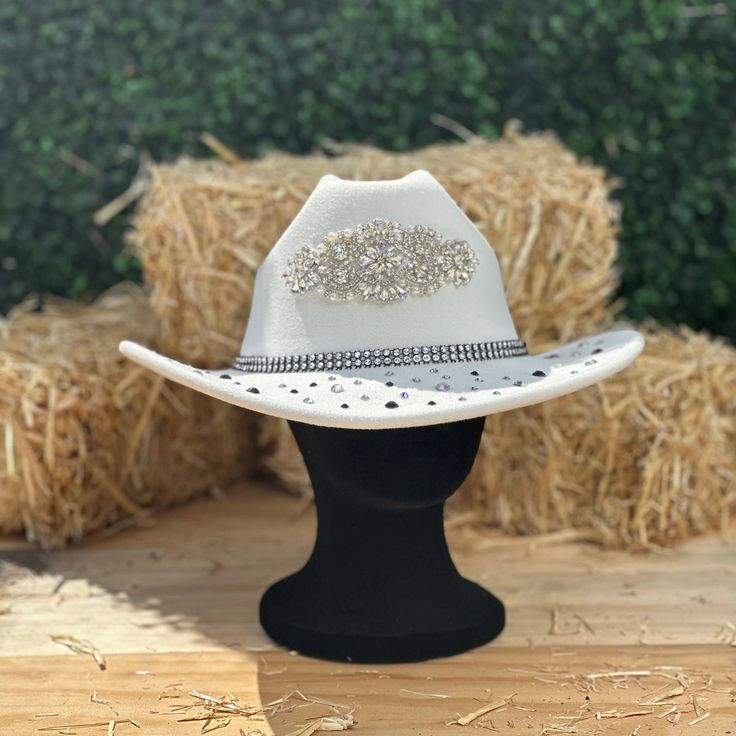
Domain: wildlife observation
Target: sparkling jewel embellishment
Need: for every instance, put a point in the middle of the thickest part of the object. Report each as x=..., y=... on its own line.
x=340, y=360
x=381, y=261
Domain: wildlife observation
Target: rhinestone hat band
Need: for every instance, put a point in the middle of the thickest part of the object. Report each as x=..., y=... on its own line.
x=380, y=261
x=380, y=358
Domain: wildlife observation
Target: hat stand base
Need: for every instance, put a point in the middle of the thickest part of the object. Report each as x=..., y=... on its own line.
x=380, y=585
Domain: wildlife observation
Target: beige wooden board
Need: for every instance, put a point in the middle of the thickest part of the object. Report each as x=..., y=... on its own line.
x=173, y=608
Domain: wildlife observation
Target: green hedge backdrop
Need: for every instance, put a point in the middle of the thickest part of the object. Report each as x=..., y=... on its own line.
x=645, y=88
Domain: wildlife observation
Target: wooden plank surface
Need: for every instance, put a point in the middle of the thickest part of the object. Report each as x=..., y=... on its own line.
x=173, y=609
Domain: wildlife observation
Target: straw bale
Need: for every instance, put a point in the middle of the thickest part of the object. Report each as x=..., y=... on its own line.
x=643, y=459
x=92, y=440
x=204, y=227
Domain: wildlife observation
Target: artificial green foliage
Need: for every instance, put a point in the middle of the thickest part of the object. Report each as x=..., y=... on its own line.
x=645, y=88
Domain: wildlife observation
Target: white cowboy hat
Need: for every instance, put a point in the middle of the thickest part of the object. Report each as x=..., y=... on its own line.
x=382, y=306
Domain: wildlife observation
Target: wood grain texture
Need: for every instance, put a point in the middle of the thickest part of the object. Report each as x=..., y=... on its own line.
x=173, y=608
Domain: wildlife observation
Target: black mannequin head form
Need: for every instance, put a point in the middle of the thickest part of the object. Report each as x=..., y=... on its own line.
x=390, y=468
x=380, y=585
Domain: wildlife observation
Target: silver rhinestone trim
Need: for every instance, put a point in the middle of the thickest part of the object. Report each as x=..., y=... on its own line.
x=347, y=359
x=381, y=261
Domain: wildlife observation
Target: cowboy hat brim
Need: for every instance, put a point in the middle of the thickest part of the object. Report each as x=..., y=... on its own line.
x=407, y=396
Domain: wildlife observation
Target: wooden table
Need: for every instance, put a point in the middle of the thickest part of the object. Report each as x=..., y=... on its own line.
x=173, y=609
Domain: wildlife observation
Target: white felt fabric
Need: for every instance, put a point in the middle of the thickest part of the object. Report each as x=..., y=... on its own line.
x=284, y=323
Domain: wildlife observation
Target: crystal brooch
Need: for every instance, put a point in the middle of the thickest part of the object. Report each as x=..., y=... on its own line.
x=381, y=261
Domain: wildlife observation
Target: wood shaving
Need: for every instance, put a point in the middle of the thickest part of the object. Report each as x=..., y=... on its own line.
x=82, y=646
x=423, y=695
x=666, y=702
x=618, y=714
x=490, y=707
x=326, y=723
x=217, y=712
x=95, y=724
x=699, y=718
x=266, y=670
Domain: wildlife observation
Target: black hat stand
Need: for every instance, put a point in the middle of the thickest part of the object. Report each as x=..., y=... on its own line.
x=380, y=585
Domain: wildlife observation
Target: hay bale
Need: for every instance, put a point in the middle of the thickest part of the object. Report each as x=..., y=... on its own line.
x=90, y=439
x=643, y=459
x=204, y=227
